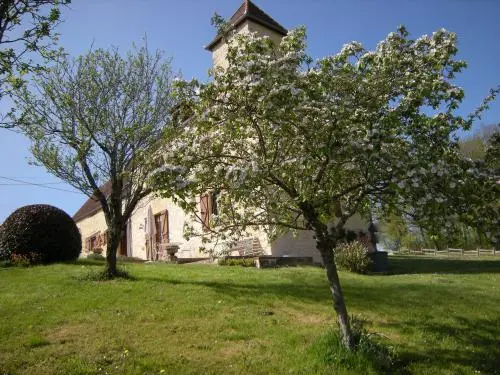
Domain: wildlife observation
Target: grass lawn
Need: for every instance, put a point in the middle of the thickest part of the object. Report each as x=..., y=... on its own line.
x=442, y=316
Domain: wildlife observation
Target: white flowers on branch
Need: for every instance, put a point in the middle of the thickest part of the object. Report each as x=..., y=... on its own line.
x=291, y=145
x=272, y=130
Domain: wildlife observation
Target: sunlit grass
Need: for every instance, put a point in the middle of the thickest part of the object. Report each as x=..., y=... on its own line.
x=442, y=316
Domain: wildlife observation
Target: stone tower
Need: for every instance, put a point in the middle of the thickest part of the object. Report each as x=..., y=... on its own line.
x=248, y=18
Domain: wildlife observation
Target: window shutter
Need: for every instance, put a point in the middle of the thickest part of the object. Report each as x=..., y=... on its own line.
x=93, y=242
x=205, y=211
x=157, y=233
x=99, y=240
x=164, y=229
x=210, y=205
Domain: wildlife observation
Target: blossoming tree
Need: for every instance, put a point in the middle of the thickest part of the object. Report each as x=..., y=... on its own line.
x=291, y=145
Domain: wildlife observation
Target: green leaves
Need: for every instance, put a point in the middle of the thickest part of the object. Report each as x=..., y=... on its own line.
x=26, y=28
x=100, y=118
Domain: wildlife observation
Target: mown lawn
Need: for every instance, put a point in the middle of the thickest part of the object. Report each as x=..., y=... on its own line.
x=442, y=316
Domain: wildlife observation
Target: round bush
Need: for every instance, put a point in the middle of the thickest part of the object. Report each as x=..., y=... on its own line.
x=39, y=234
x=2, y=255
x=353, y=257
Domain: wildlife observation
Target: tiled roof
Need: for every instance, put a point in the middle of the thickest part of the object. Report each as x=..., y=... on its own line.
x=249, y=11
x=92, y=205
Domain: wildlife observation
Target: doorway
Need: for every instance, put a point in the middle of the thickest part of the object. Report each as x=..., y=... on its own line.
x=122, y=250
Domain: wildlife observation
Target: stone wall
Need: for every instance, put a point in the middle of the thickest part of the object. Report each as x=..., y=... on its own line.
x=304, y=245
x=90, y=226
x=176, y=219
x=301, y=245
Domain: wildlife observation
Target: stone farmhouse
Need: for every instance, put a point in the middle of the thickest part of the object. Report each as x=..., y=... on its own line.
x=158, y=222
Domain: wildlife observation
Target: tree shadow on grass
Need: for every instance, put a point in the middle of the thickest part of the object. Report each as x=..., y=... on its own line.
x=477, y=344
x=238, y=291
x=389, y=298
x=87, y=262
x=475, y=341
x=400, y=265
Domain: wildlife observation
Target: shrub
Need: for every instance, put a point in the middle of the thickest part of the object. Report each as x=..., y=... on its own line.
x=370, y=355
x=95, y=256
x=39, y=234
x=353, y=257
x=243, y=262
x=4, y=253
x=25, y=260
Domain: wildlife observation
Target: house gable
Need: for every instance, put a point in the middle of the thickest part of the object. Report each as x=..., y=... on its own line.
x=247, y=19
x=92, y=205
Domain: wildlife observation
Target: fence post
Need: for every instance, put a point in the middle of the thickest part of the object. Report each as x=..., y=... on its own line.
x=462, y=251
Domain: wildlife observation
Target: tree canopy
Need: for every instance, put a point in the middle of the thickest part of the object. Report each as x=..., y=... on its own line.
x=98, y=119
x=27, y=39
x=474, y=145
x=468, y=231
x=291, y=144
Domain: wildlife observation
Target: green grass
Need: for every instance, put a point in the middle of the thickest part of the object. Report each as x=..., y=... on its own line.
x=442, y=316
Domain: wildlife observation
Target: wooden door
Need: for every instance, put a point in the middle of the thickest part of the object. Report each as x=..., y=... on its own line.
x=162, y=228
x=205, y=211
x=122, y=250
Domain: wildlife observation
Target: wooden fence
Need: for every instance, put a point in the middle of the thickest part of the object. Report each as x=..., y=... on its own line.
x=452, y=252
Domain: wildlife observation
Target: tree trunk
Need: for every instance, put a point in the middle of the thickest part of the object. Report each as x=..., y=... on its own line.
x=337, y=295
x=325, y=242
x=114, y=238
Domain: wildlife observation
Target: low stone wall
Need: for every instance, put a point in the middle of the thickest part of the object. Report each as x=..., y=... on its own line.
x=192, y=260
x=270, y=261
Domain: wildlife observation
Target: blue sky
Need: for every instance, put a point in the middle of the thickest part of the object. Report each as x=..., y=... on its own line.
x=182, y=28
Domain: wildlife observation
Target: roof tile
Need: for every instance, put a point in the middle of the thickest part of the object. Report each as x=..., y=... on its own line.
x=92, y=205
x=248, y=10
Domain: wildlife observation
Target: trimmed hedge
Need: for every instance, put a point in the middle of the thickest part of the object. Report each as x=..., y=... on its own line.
x=39, y=234
x=95, y=256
